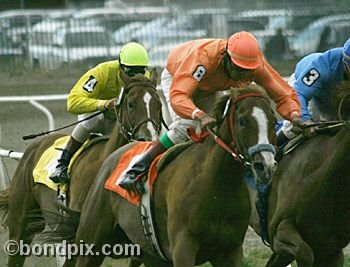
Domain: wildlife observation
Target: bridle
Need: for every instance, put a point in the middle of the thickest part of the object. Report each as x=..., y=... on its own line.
x=128, y=129
x=232, y=149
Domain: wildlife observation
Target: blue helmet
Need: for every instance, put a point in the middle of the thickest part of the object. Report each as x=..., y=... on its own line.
x=346, y=52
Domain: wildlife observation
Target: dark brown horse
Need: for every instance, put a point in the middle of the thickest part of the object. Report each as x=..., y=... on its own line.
x=309, y=203
x=201, y=204
x=138, y=118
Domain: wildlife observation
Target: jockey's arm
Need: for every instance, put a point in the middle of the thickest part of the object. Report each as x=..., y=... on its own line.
x=307, y=84
x=182, y=88
x=87, y=94
x=278, y=89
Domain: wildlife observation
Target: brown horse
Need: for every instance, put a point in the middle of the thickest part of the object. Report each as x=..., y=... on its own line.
x=309, y=203
x=201, y=204
x=139, y=117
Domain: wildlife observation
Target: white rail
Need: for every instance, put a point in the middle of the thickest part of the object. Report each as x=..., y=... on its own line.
x=10, y=154
x=4, y=179
x=33, y=101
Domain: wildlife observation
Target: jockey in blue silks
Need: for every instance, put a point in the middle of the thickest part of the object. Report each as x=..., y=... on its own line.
x=315, y=75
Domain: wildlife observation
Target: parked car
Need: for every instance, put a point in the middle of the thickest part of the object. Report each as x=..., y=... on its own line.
x=169, y=37
x=41, y=43
x=10, y=53
x=114, y=18
x=158, y=55
x=86, y=46
x=307, y=41
x=18, y=23
x=124, y=33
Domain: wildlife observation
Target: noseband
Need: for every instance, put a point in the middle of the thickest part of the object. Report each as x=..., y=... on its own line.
x=128, y=129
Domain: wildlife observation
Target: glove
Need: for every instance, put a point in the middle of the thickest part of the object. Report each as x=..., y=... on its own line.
x=297, y=123
x=309, y=131
x=206, y=121
x=111, y=104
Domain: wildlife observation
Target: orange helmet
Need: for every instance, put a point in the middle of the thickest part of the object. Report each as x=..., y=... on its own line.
x=243, y=49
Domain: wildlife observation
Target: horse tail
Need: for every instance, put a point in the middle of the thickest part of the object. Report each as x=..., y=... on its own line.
x=4, y=206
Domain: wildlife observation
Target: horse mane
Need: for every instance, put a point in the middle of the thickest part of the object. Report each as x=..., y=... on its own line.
x=219, y=106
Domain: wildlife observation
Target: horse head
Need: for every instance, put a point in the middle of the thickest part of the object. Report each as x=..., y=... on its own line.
x=139, y=112
x=251, y=122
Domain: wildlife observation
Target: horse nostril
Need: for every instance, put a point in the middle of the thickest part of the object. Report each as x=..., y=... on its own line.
x=258, y=166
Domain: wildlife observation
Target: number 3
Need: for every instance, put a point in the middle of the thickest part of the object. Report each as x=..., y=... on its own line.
x=199, y=73
x=311, y=77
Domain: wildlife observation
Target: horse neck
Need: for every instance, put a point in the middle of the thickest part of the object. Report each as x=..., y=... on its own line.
x=340, y=144
x=223, y=170
x=116, y=140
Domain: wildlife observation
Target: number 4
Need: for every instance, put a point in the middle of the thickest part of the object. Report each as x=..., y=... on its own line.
x=90, y=84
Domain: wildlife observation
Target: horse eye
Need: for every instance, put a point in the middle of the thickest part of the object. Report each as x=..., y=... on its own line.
x=131, y=105
x=241, y=122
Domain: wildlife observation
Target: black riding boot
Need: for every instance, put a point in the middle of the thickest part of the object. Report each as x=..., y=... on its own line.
x=60, y=175
x=141, y=166
x=282, y=140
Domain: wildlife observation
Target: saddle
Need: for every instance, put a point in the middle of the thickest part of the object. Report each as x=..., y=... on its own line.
x=48, y=160
x=329, y=127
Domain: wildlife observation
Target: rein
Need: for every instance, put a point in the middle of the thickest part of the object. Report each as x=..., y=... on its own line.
x=230, y=121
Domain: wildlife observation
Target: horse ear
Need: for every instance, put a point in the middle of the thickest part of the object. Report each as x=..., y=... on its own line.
x=154, y=77
x=125, y=78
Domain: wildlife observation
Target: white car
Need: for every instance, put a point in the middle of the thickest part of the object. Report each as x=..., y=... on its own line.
x=307, y=41
x=159, y=54
x=86, y=46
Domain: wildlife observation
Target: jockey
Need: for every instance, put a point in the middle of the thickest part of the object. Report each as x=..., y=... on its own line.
x=313, y=78
x=195, y=71
x=96, y=90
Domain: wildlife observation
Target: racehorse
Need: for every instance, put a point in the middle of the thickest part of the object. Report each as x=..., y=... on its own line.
x=138, y=118
x=200, y=201
x=309, y=203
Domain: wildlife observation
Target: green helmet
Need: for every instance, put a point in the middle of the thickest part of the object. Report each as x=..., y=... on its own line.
x=133, y=54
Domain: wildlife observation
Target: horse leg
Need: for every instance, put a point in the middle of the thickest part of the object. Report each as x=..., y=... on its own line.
x=233, y=258
x=47, y=200
x=135, y=262
x=96, y=227
x=21, y=204
x=280, y=260
x=289, y=245
x=336, y=260
x=150, y=261
x=184, y=249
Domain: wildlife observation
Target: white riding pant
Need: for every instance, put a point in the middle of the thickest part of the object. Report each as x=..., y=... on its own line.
x=82, y=131
x=178, y=128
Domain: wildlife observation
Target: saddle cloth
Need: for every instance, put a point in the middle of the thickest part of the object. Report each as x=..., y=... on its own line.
x=49, y=160
x=124, y=164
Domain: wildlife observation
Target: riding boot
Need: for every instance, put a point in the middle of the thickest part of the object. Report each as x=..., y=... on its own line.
x=61, y=172
x=282, y=140
x=141, y=166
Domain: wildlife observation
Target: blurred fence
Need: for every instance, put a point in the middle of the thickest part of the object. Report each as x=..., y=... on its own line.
x=52, y=40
